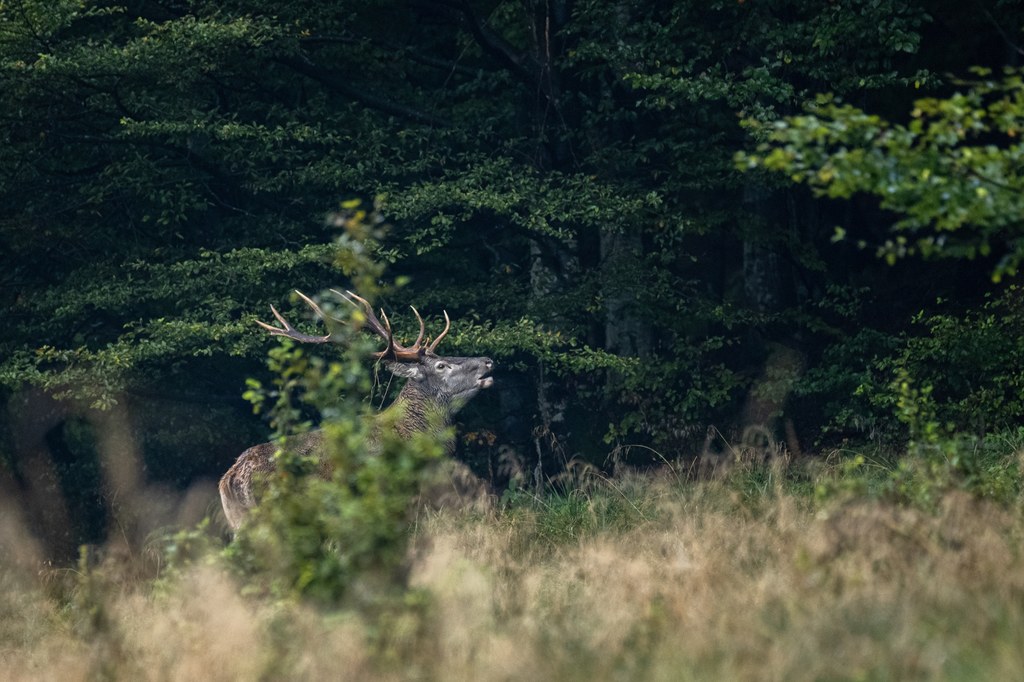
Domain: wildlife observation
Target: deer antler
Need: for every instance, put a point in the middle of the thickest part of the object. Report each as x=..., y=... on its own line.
x=447, y=326
x=393, y=351
x=291, y=332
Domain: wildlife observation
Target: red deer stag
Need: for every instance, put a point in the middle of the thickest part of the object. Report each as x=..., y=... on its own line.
x=435, y=389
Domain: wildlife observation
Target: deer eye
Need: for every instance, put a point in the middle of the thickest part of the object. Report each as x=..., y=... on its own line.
x=441, y=365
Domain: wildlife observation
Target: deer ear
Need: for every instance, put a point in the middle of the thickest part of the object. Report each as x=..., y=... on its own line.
x=408, y=370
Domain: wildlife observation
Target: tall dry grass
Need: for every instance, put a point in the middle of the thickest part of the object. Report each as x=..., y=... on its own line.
x=640, y=579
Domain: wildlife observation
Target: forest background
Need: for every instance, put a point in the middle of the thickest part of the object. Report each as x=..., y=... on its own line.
x=590, y=189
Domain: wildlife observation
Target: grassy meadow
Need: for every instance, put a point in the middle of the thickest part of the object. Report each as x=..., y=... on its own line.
x=768, y=572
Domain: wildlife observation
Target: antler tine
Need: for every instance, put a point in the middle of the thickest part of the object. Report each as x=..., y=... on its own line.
x=291, y=332
x=271, y=328
x=392, y=347
x=397, y=351
x=383, y=329
x=423, y=327
x=362, y=304
x=351, y=298
x=394, y=350
x=312, y=304
x=447, y=326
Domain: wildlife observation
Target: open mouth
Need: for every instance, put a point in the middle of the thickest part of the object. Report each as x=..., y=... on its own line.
x=485, y=381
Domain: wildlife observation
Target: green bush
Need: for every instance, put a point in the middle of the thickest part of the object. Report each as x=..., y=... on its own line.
x=972, y=365
x=319, y=529
x=315, y=537
x=962, y=373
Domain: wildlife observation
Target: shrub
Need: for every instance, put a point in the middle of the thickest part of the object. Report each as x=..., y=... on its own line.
x=318, y=531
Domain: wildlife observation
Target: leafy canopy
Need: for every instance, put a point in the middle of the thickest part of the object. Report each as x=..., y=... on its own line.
x=953, y=172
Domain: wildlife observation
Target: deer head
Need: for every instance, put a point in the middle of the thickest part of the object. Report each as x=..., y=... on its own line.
x=444, y=382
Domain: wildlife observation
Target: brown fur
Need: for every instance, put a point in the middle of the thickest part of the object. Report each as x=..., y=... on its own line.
x=435, y=389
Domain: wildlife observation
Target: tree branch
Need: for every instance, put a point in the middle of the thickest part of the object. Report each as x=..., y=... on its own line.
x=434, y=62
x=1002, y=33
x=520, y=63
x=307, y=68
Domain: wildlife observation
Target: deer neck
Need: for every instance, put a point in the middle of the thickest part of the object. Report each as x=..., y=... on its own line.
x=420, y=411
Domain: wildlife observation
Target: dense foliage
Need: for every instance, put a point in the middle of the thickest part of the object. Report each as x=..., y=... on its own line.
x=559, y=176
x=952, y=172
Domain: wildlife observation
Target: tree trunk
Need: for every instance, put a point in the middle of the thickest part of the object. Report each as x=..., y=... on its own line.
x=626, y=331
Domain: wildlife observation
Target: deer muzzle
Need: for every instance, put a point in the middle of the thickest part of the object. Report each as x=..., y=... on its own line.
x=484, y=379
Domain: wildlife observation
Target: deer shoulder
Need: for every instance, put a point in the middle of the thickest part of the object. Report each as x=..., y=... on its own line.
x=435, y=388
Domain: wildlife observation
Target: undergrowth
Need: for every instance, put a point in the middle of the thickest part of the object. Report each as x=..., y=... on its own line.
x=816, y=569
